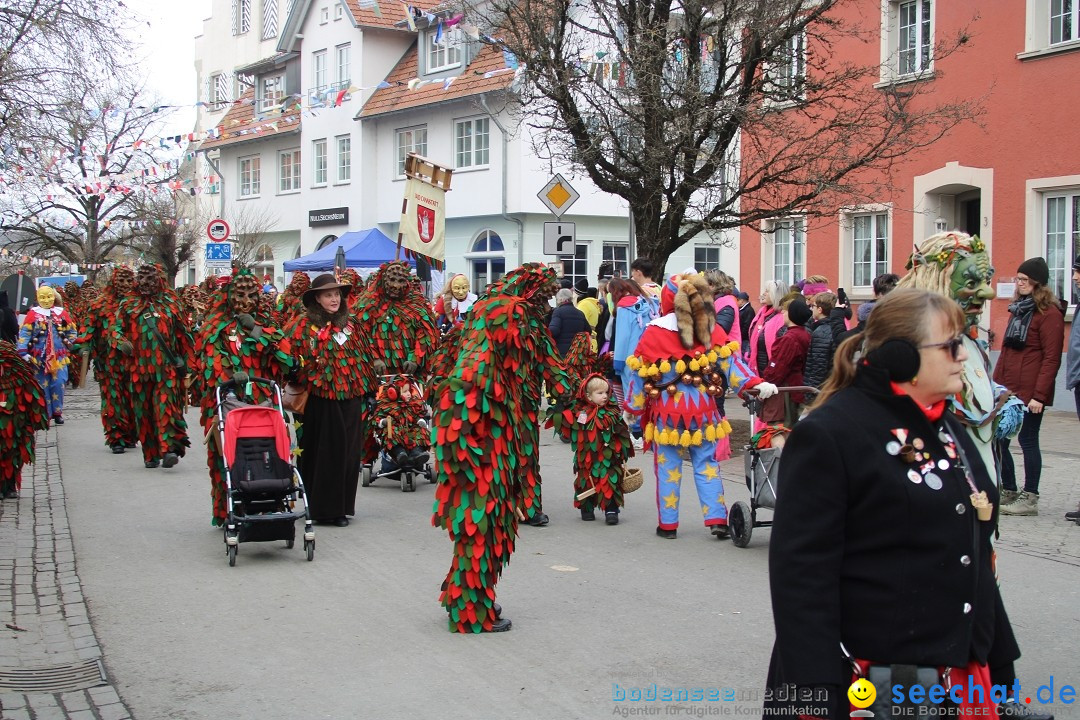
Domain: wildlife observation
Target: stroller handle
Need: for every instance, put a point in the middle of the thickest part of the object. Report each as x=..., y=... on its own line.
x=805, y=389
x=230, y=383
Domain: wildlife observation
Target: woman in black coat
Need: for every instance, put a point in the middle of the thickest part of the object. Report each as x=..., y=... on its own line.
x=566, y=321
x=877, y=541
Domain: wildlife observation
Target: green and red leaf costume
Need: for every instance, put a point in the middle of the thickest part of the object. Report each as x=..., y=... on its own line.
x=485, y=430
x=22, y=413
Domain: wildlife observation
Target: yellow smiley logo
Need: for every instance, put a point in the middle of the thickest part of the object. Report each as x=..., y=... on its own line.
x=862, y=693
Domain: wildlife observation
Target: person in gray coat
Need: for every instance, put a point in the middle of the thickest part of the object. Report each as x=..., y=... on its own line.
x=1072, y=367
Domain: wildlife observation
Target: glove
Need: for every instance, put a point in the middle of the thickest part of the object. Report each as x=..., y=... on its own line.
x=125, y=347
x=410, y=367
x=765, y=390
x=382, y=423
x=240, y=378
x=380, y=367
x=422, y=423
x=246, y=321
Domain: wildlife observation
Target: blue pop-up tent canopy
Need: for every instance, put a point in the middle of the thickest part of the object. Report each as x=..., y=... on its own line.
x=363, y=249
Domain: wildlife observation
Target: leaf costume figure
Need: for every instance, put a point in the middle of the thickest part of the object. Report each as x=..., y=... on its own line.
x=484, y=434
x=112, y=369
x=350, y=277
x=396, y=317
x=332, y=358
x=444, y=358
x=233, y=343
x=150, y=327
x=675, y=378
x=22, y=413
x=402, y=418
x=45, y=340
x=291, y=302
x=601, y=440
x=580, y=357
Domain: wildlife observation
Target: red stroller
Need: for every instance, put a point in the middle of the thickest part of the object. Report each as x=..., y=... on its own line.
x=262, y=487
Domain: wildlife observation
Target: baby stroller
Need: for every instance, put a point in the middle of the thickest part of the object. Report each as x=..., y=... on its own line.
x=413, y=466
x=261, y=486
x=762, y=466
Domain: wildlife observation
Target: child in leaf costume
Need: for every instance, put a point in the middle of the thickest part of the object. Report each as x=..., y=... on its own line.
x=402, y=418
x=233, y=343
x=151, y=329
x=45, y=340
x=22, y=413
x=602, y=445
x=112, y=369
x=483, y=437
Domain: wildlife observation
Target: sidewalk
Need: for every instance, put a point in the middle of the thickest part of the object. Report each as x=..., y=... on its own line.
x=50, y=662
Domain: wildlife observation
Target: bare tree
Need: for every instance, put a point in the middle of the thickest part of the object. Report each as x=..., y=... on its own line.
x=49, y=43
x=74, y=196
x=250, y=228
x=708, y=115
x=168, y=230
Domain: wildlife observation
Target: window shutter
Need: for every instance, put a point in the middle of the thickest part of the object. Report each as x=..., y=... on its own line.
x=222, y=90
x=270, y=19
x=245, y=15
x=233, y=12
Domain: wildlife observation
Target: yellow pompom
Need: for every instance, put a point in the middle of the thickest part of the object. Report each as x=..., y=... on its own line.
x=654, y=371
x=725, y=426
x=648, y=432
x=725, y=352
x=694, y=366
x=662, y=439
x=665, y=366
x=632, y=362
x=734, y=346
x=680, y=367
x=712, y=356
x=685, y=439
x=710, y=432
x=643, y=372
x=696, y=437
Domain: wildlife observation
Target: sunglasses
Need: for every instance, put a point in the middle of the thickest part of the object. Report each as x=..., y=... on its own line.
x=951, y=346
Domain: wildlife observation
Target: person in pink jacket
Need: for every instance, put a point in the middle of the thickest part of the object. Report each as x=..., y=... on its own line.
x=765, y=326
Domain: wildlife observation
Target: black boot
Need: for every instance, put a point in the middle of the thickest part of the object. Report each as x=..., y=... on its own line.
x=537, y=520
x=170, y=460
x=666, y=534
x=118, y=449
x=611, y=515
x=587, y=513
x=501, y=625
x=419, y=457
x=401, y=459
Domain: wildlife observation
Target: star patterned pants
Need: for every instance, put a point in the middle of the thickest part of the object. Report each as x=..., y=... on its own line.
x=54, y=391
x=710, y=486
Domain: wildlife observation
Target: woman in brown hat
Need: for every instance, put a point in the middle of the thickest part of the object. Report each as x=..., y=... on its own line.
x=333, y=362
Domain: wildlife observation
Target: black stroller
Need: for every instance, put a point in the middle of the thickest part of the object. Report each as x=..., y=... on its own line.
x=762, y=466
x=262, y=487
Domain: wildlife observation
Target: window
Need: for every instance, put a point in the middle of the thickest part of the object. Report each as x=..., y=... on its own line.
x=706, y=257
x=339, y=12
x=913, y=37
x=577, y=267
x=344, y=159
x=241, y=16
x=319, y=161
x=218, y=91
x=269, y=19
x=264, y=262
x=289, y=162
x=324, y=15
x=444, y=49
x=471, y=142
x=1063, y=20
x=344, y=71
x=788, y=251
x=271, y=91
x=318, y=70
x=869, y=248
x=618, y=256
x=787, y=74
x=410, y=140
x=486, y=260
x=241, y=84
x=1062, y=229
x=250, y=176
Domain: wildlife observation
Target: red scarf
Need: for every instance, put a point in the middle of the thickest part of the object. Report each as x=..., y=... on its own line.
x=933, y=412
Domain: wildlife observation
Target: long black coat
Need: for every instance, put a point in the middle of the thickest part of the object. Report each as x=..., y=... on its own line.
x=819, y=356
x=566, y=322
x=859, y=553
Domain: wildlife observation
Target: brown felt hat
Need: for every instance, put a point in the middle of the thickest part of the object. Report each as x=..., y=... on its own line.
x=326, y=281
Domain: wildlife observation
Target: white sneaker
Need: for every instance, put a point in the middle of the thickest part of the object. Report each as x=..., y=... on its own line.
x=639, y=443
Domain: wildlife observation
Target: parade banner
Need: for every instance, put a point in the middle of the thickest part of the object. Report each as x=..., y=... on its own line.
x=423, y=219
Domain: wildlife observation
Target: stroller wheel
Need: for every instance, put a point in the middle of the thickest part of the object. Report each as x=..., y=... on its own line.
x=309, y=548
x=365, y=475
x=741, y=523
x=406, y=480
x=232, y=555
x=289, y=544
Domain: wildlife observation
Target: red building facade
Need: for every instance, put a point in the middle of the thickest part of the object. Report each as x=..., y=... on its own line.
x=1012, y=177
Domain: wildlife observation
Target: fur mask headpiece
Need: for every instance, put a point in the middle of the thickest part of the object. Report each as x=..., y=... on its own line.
x=692, y=302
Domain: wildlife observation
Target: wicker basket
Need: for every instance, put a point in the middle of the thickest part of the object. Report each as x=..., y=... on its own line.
x=632, y=479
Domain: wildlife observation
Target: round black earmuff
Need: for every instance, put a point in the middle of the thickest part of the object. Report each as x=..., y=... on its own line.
x=900, y=358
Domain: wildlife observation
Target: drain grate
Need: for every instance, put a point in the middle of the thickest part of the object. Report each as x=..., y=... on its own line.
x=54, y=678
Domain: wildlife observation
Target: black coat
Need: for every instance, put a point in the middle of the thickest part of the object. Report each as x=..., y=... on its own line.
x=819, y=356
x=838, y=318
x=746, y=317
x=566, y=322
x=898, y=571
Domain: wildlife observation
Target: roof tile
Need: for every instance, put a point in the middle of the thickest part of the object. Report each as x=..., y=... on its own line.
x=485, y=73
x=242, y=124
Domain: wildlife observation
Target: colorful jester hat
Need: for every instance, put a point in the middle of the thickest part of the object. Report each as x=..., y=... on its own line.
x=23, y=400
x=397, y=317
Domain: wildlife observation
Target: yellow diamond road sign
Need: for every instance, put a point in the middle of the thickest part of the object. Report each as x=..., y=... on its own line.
x=558, y=195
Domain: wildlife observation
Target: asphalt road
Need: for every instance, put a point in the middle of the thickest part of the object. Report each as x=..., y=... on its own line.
x=359, y=633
